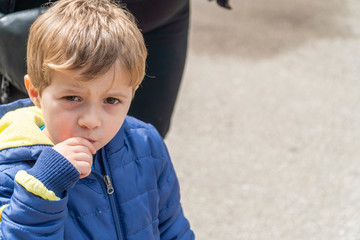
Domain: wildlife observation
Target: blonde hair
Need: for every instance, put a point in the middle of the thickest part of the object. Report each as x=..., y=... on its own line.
x=88, y=34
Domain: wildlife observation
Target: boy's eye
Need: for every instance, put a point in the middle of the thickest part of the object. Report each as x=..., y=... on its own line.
x=111, y=100
x=72, y=98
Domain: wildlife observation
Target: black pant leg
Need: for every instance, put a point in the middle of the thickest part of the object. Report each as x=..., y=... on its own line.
x=155, y=99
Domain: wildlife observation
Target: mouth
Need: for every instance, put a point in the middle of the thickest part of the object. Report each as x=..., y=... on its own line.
x=90, y=140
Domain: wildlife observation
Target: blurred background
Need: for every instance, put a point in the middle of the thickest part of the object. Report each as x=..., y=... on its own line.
x=265, y=137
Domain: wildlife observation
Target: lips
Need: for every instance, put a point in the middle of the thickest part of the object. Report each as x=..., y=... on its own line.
x=90, y=140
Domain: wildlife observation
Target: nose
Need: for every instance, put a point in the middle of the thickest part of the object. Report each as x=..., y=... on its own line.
x=90, y=118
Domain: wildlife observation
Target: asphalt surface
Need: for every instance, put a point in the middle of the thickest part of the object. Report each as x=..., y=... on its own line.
x=265, y=134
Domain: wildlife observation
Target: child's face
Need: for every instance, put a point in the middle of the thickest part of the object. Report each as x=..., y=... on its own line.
x=94, y=110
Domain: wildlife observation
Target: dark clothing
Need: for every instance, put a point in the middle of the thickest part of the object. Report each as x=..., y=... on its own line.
x=155, y=99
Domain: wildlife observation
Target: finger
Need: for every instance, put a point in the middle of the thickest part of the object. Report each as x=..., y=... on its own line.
x=81, y=141
x=82, y=157
x=88, y=144
x=81, y=149
x=74, y=152
x=84, y=168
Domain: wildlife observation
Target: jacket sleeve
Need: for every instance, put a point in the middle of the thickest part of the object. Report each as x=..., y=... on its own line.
x=172, y=222
x=28, y=208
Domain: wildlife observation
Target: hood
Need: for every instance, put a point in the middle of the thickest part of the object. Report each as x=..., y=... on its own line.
x=20, y=128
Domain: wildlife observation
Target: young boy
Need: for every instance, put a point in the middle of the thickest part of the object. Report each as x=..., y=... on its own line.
x=75, y=166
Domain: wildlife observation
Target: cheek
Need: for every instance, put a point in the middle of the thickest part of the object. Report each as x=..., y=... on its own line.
x=60, y=126
x=113, y=125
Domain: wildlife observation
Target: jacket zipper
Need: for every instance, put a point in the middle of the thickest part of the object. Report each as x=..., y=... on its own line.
x=110, y=190
x=109, y=187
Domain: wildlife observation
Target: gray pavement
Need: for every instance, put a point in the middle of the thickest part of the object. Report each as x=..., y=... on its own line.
x=265, y=134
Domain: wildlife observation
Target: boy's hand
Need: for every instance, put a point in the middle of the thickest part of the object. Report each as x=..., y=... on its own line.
x=79, y=152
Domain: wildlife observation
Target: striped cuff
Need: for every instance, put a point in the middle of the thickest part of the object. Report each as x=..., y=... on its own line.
x=54, y=171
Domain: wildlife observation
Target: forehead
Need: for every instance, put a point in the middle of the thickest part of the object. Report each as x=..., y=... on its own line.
x=116, y=76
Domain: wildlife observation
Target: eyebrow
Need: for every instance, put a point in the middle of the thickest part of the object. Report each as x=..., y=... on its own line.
x=74, y=89
x=116, y=94
x=71, y=88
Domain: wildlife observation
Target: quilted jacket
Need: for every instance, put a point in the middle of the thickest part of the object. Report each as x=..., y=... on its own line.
x=131, y=193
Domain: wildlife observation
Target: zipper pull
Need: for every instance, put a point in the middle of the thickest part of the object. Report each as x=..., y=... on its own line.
x=109, y=187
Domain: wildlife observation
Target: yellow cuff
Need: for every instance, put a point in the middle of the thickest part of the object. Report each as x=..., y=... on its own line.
x=33, y=185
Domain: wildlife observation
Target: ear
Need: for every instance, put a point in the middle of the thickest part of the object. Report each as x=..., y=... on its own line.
x=32, y=91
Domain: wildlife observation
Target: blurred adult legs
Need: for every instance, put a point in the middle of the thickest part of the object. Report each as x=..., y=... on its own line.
x=155, y=99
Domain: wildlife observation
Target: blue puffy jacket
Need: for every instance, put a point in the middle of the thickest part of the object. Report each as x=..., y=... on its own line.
x=131, y=193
